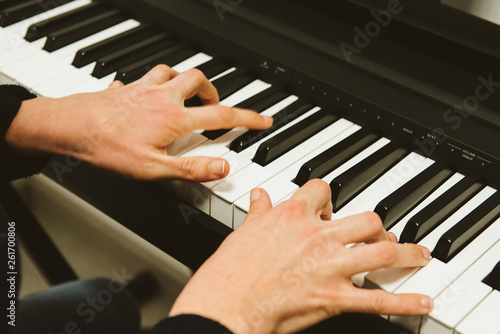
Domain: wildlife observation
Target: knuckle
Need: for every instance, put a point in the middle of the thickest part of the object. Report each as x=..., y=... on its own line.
x=373, y=221
x=292, y=208
x=387, y=253
x=198, y=76
x=377, y=304
x=227, y=114
x=161, y=68
x=188, y=167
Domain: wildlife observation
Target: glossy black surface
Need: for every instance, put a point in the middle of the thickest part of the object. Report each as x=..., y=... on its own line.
x=466, y=230
x=440, y=209
x=335, y=156
x=347, y=185
x=280, y=119
x=70, y=34
x=140, y=50
x=283, y=142
x=43, y=28
x=396, y=205
x=110, y=45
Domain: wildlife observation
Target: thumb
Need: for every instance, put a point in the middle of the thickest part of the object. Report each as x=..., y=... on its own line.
x=259, y=202
x=199, y=169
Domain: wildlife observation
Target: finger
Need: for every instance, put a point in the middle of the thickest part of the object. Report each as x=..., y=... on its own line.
x=260, y=202
x=194, y=168
x=116, y=84
x=365, y=227
x=317, y=196
x=194, y=82
x=384, y=254
x=158, y=75
x=383, y=302
x=222, y=117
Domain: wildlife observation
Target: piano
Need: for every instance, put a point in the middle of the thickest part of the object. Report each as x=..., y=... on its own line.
x=396, y=104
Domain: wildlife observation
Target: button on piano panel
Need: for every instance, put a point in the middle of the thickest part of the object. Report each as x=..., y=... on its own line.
x=462, y=296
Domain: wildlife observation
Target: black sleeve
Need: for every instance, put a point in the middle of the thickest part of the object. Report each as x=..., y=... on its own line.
x=189, y=324
x=12, y=165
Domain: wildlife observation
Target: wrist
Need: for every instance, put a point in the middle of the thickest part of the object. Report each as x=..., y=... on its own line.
x=42, y=126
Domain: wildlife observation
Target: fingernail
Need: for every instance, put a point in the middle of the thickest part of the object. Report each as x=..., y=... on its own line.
x=426, y=252
x=427, y=303
x=217, y=168
x=268, y=119
x=255, y=195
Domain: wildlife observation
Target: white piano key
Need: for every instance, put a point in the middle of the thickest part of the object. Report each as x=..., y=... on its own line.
x=484, y=319
x=462, y=296
x=196, y=60
x=12, y=37
x=220, y=75
x=245, y=93
x=90, y=86
x=22, y=51
x=231, y=189
x=49, y=66
x=391, y=279
x=69, y=79
x=281, y=185
x=392, y=180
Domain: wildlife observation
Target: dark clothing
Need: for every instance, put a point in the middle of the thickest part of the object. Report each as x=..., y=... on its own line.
x=14, y=166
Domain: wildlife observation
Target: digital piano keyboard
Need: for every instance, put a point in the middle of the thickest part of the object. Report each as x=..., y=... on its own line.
x=395, y=104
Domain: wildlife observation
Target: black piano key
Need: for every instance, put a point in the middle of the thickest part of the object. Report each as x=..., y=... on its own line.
x=425, y=221
x=347, y=185
x=396, y=205
x=113, y=62
x=9, y=3
x=232, y=82
x=210, y=69
x=335, y=156
x=466, y=230
x=113, y=44
x=43, y=28
x=170, y=56
x=82, y=29
x=215, y=66
x=25, y=9
x=283, y=142
x=258, y=103
x=493, y=278
x=280, y=119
